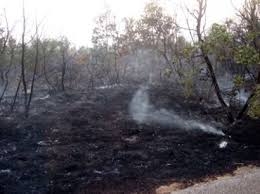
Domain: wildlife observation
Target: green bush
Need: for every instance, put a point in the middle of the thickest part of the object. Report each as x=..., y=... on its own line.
x=254, y=105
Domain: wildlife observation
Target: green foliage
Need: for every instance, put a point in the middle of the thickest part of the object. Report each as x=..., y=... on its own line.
x=219, y=42
x=188, y=50
x=187, y=82
x=167, y=73
x=251, y=36
x=247, y=55
x=105, y=32
x=156, y=28
x=254, y=106
x=219, y=34
x=238, y=81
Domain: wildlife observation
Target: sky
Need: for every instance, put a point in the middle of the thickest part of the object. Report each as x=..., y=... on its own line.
x=75, y=19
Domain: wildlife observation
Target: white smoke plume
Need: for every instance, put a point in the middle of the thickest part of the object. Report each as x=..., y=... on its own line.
x=142, y=111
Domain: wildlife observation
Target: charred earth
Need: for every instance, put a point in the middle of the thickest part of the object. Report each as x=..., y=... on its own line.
x=89, y=143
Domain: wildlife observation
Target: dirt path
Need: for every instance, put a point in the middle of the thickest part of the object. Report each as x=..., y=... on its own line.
x=244, y=181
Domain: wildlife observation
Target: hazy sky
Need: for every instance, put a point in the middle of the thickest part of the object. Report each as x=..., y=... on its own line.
x=75, y=18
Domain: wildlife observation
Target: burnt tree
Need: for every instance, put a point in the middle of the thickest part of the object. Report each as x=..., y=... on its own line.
x=199, y=16
x=23, y=45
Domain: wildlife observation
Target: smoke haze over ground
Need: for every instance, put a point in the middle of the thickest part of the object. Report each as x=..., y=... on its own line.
x=142, y=111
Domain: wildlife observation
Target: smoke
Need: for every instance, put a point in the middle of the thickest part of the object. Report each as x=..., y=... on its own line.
x=243, y=95
x=142, y=111
x=226, y=84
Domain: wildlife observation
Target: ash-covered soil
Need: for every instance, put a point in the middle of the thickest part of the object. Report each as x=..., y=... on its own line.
x=89, y=143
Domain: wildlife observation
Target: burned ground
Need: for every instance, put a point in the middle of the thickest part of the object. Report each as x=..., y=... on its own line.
x=88, y=143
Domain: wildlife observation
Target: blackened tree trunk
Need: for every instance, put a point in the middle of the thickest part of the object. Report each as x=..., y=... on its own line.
x=34, y=74
x=3, y=48
x=45, y=72
x=63, y=70
x=6, y=75
x=15, y=96
x=23, y=63
x=199, y=14
x=217, y=88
